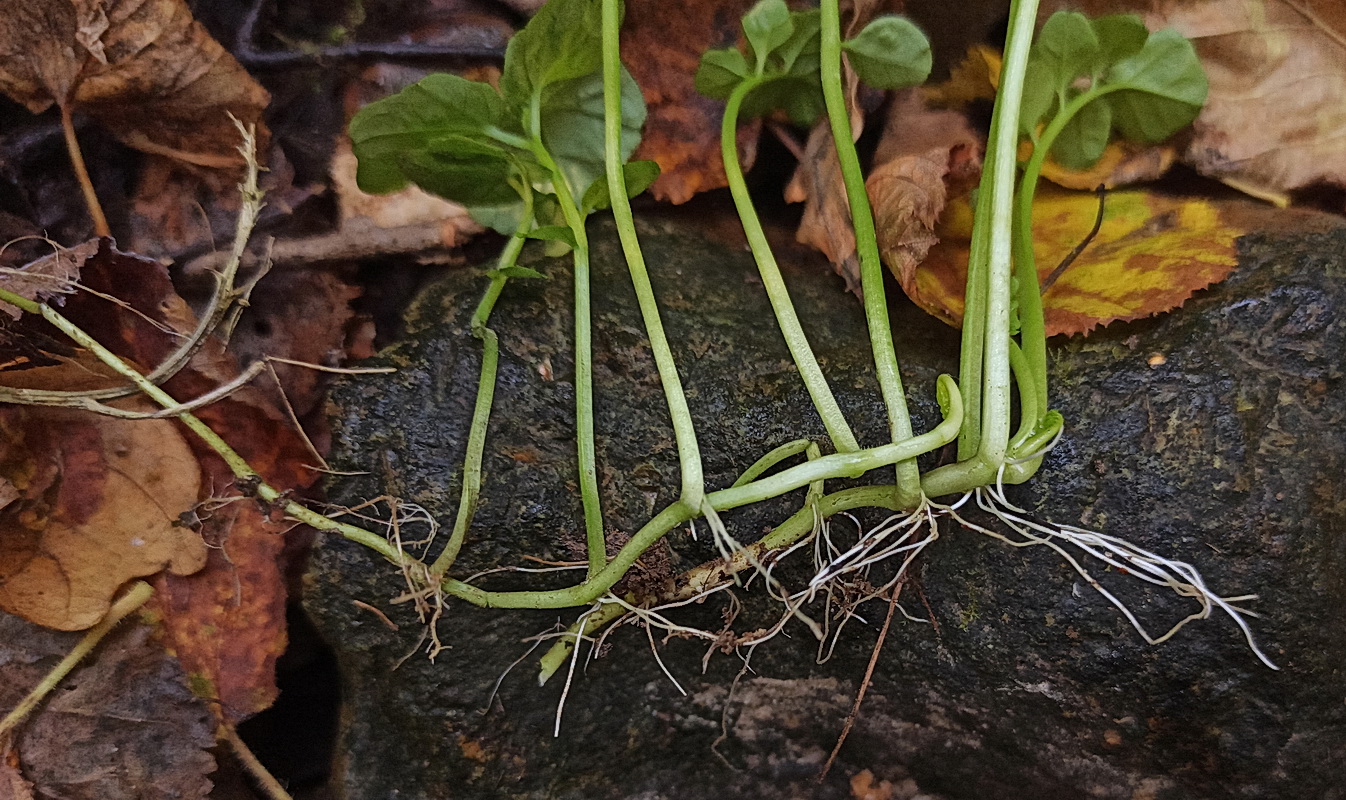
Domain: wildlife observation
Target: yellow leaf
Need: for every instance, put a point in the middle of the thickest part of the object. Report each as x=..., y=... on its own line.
x=1151, y=254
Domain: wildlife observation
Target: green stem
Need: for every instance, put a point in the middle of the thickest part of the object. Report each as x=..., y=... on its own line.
x=481, y=411
x=867, y=249
x=833, y=420
x=594, y=537
x=851, y=464
x=1004, y=140
x=684, y=431
x=1032, y=328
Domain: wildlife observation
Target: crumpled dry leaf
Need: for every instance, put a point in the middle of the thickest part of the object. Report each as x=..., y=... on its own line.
x=662, y=44
x=925, y=156
x=1151, y=254
x=48, y=276
x=144, y=68
x=1275, y=116
x=121, y=727
x=99, y=505
x=817, y=181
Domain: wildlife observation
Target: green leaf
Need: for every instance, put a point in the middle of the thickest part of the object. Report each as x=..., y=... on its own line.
x=1120, y=36
x=1040, y=96
x=638, y=176
x=563, y=41
x=890, y=53
x=516, y=271
x=1067, y=47
x=799, y=96
x=554, y=233
x=1083, y=139
x=1164, y=88
x=572, y=126
x=503, y=219
x=463, y=170
x=767, y=26
x=384, y=132
x=799, y=54
x=720, y=72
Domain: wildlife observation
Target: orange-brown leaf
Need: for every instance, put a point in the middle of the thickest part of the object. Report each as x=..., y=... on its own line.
x=145, y=68
x=99, y=504
x=1151, y=254
x=662, y=44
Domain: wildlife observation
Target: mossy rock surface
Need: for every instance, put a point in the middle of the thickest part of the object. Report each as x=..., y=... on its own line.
x=1213, y=435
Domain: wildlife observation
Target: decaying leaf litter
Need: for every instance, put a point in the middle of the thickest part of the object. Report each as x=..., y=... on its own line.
x=915, y=185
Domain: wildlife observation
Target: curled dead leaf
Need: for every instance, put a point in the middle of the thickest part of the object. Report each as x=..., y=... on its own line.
x=144, y=68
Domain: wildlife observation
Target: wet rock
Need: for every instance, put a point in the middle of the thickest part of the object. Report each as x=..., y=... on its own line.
x=1213, y=435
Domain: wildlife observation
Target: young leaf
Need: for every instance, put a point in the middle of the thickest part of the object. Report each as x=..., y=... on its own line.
x=516, y=271
x=553, y=233
x=1084, y=138
x=560, y=43
x=1165, y=88
x=890, y=53
x=463, y=170
x=767, y=26
x=638, y=176
x=385, y=131
x=572, y=125
x=1120, y=36
x=1039, y=97
x=720, y=71
x=798, y=55
x=800, y=96
x=1067, y=47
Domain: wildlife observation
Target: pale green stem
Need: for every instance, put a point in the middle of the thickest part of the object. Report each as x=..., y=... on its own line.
x=852, y=464
x=867, y=250
x=594, y=537
x=684, y=431
x=833, y=420
x=481, y=411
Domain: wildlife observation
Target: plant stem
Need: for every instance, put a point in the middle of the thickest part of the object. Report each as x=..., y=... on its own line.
x=684, y=430
x=867, y=249
x=100, y=226
x=481, y=411
x=850, y=464
x=594, y=537
x=1032, y=324
x=128, y=603
x=795, y=339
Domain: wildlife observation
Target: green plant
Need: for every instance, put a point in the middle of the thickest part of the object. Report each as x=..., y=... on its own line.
x=536, y=158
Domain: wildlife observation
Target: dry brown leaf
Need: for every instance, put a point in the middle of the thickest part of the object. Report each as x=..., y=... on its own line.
x=121, y=727
x=226, y=623
x=99, y=505
x=48, y=276
x=925, y=156
x=817, y=181
x=144, y=68
x=662, y=44
x=1275, y=118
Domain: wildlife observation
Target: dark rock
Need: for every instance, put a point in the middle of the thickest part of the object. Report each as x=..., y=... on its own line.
x=1228, y=454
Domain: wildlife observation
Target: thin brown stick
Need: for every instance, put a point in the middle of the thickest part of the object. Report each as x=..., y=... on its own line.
x=864, y=684
x=100, y=226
